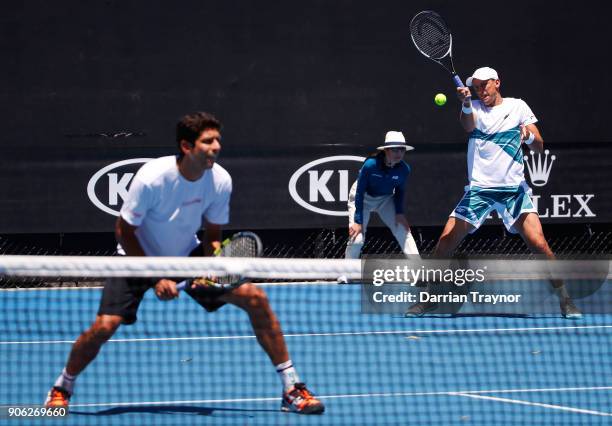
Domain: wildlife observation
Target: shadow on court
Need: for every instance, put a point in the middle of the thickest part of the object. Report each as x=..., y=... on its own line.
x=167, y=409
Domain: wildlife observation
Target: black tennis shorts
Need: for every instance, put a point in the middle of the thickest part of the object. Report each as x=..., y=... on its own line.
x=122, y=296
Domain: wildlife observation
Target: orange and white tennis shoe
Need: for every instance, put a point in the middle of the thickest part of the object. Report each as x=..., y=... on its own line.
x=57, y=397
x=300, y=400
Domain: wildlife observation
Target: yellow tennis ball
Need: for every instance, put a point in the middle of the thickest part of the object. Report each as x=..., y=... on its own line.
x=440, y=99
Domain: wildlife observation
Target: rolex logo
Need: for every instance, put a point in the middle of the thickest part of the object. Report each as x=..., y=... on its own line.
x=539, y=170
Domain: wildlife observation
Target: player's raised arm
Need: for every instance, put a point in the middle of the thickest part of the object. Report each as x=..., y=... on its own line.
x=467, y=116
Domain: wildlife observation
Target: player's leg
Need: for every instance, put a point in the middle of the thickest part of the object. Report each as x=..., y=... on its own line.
x=119, y=304
x=529, y=227
x=83, y=352
x=453, y=233
x=468, y=215
x=254, y=301
x=88, y=344
x=266, y=326
x=403, y=236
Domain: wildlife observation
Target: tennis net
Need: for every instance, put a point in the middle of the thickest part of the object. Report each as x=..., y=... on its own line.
x=181, y=365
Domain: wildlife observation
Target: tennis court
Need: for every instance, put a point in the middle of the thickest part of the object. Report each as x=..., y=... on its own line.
x=178, y=365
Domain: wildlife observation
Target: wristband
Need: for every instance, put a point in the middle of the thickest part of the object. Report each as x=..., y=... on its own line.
x=530, y=139
x=467, y=110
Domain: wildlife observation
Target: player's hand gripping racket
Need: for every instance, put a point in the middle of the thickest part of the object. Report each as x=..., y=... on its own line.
x=433, y=38
x=242, y=244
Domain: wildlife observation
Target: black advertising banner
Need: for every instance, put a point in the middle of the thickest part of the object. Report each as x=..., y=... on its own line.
x=90, y=90
x=281, y=187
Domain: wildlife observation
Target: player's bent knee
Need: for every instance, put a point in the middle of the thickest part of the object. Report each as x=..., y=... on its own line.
x=540, y=247
x=253, y=297
x=103, y=329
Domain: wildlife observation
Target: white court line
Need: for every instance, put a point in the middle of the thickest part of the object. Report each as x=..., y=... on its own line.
x=346, y=396
x=348, y=333
x=536, y=404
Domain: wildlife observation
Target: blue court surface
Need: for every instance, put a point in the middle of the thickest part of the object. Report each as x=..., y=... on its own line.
x=179, y=365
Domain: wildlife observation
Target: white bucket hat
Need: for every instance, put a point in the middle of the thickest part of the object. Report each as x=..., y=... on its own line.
x=395, y=139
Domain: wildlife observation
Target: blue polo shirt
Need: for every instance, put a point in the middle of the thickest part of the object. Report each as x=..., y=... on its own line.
x=376, y=179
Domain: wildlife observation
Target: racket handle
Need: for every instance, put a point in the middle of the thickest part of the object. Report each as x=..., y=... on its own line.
x=458, y=81
x=181, y=286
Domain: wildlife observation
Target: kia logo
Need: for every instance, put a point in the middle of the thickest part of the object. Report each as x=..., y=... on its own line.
x=325, y=184
x=117, y=184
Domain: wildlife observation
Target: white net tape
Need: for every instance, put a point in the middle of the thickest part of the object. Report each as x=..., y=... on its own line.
x=272, y=268
x=126, y=266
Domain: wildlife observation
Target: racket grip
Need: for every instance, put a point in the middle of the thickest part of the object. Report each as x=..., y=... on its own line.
x=181, y=286
x=458, y=81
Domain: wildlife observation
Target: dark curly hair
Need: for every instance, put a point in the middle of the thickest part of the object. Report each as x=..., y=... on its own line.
x=192, y=125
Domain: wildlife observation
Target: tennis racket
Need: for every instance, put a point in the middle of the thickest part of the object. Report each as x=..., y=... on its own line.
x=432, y=37
x=242, y=244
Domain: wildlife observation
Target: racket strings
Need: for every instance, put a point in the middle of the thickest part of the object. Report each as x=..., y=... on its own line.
x=431, y=35
x=243, y=246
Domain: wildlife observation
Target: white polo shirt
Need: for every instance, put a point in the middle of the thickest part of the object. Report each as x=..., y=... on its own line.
x=169, y=209
x=495, y=158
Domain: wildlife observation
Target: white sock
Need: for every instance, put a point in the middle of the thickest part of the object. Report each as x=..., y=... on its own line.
x=287, y=374
x=65, y=381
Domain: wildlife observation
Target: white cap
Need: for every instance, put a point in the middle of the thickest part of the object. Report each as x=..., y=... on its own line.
x=484, y=73
x=395, y=139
